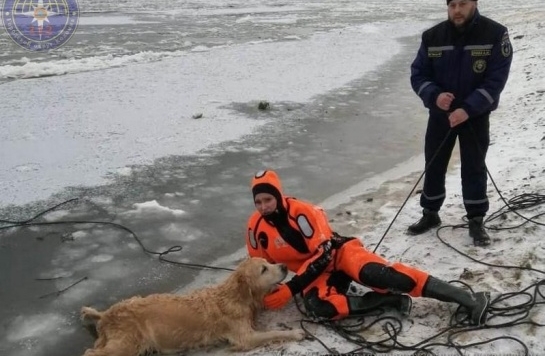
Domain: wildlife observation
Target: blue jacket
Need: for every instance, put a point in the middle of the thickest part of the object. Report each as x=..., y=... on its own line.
x=473, y=65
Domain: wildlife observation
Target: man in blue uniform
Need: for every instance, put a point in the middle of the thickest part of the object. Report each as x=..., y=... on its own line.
x=459, y=72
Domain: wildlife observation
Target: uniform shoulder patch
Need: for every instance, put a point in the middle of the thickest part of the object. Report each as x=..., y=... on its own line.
x=506, y=48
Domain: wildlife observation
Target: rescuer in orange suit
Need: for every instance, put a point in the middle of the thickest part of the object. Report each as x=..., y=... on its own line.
x=297, y=234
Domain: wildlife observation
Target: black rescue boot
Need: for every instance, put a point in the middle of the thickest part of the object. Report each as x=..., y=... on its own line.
x=429, y=220
x=477, y=231
x=476, y=304
x=370, y=301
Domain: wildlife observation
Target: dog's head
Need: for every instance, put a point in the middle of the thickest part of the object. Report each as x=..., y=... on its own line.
x=259, y=276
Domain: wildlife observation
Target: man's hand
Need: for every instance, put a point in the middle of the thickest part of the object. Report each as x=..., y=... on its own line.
x=277, y=298
x=444, y=100
x=457, y=117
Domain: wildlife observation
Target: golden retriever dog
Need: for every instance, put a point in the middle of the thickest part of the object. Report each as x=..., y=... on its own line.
x=171, y=323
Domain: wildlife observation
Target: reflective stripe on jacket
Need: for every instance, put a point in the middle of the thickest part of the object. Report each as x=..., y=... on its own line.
x=263, y=239
x=473, y=65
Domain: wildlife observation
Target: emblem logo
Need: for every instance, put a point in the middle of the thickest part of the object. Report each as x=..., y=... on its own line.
x=40, y=25
x=506, y=48
x=479, y=66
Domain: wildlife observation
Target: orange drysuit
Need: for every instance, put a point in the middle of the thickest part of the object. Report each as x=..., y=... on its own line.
x=298, y=234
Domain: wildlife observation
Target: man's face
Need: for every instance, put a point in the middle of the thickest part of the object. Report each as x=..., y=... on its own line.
x=461, y=11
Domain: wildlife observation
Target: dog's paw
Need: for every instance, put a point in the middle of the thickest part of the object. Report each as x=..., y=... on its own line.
x=298, y=334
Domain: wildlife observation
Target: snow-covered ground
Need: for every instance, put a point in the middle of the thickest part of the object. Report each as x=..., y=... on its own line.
x=516, y=162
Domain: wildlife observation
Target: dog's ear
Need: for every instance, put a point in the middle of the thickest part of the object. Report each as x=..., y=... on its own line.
x=244, y=286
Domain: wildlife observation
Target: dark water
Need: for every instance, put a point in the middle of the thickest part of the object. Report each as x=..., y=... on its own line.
x=319, y=149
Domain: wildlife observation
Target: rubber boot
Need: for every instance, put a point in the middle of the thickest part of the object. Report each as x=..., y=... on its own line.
x=477, y=232
x=429, y=220
x=476, y=304
x=359, y=305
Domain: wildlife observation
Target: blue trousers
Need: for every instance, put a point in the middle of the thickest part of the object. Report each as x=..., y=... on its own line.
x=474, y=139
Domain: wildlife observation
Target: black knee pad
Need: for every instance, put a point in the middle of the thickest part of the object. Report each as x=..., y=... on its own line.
x=379, y=275
x=318, y=308
x=340, y=280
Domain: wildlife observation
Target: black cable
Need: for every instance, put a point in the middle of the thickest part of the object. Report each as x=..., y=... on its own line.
x=459, y=324
x=161, y=255
x=392, y=326
x=522, y=201
x=412, y=190
x=517, y=314
x=24, y=222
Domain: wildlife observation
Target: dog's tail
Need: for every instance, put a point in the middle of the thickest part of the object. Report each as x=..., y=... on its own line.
x=90, y=313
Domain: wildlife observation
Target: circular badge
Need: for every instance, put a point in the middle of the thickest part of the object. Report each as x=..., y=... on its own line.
x=479, y=66
x=39, y=25
x=506, y=48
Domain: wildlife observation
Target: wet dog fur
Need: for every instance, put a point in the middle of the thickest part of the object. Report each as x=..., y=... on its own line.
x=171, y=323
